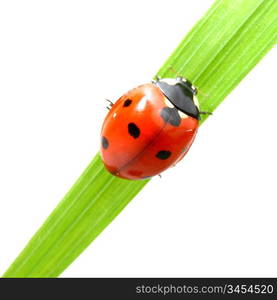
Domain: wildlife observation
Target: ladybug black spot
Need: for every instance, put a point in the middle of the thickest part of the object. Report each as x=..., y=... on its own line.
x=163, y=154
x=133, y=130
x=127, y=102
x=105, y=142
x=171, y=116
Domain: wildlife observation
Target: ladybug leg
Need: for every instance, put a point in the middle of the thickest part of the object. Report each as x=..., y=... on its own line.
x=205, y=113
x=110, y=104
x=160, y=175
x=157, y=78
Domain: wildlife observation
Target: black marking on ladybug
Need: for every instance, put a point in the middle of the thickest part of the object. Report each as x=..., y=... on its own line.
x=105, y=142
x=133, y=130
x=127, y=102
x=181, y=96
x=171, y=116
x=163, y=154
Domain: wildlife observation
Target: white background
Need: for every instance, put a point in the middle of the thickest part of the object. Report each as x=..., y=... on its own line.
x=212, y=215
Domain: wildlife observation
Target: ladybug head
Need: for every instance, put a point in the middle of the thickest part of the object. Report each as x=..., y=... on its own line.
x=182, y=94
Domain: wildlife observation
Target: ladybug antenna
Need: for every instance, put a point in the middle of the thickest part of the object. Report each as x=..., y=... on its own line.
x=180, y=77
x=202, y=93
x=175, y=72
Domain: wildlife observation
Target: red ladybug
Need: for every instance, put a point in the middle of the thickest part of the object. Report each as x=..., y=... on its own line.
x=150, y=128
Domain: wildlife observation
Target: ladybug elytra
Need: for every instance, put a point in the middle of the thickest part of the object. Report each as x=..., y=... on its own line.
x=150, y=128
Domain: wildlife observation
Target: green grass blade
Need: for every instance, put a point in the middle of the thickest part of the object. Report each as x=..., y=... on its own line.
x=90, y=205
x=223, y=47
x=215, y=55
